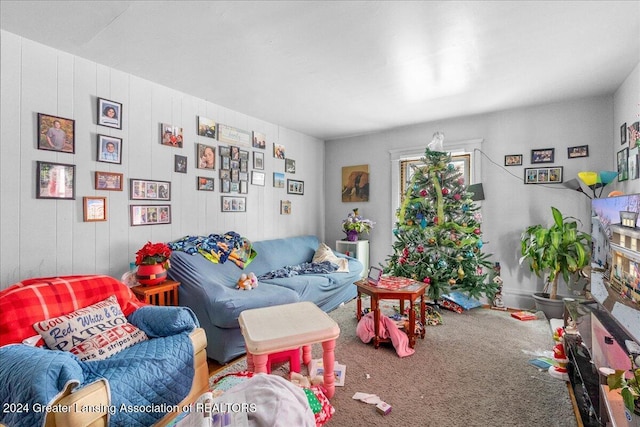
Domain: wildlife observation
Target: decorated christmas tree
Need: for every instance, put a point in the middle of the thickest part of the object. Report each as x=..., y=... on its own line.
x=438, y=239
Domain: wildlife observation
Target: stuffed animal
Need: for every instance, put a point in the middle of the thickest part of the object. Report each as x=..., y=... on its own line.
x=303, y=381
x=247, y=281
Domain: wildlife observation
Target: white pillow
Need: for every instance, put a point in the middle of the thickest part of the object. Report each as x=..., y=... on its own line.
x=324, y=253
x=95, y=332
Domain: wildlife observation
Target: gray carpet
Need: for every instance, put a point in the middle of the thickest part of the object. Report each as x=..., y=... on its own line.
x=471, y=371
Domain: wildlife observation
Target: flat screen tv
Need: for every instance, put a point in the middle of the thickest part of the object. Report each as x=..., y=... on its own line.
x=615, y=259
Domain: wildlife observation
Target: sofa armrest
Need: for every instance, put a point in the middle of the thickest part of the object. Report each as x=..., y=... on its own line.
x=158, y=321
x=94, y=398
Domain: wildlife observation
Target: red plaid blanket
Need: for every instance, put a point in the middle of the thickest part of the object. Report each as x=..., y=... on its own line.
x=33, y=300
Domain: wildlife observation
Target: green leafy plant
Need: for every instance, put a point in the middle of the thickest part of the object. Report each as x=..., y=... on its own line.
x=355, y=222
x=557, y=250
x=629, y=387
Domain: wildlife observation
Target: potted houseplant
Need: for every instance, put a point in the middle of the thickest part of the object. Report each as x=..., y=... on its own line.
x=152, y=261
x=629, y=388
x=555, y=251
x=355, y=224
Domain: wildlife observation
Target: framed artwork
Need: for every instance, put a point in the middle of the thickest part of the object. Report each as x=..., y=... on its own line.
x=278, y=151
x=225, y=163
x=150, y=214
x=244, y=187
x=243, y=176
x=109, y=149
x=295, y=186
x=206, y=127
x=634, y=168
x=225, y=151
x=545, y=155
x=234, y=187
x=56, y=133
x=513, y=160
x=94, y=209
x=141, y=189
x=109, y=113
x=289, y=166
x=244, y=165
x=205, y=183
x=231, y=135
x=206, y=156
x=109, y=181
x=355, y=183
x=234, y=204
x=546, y=175
x=257, y=178
x=225, y=186
x=55, y=181
x=258, y=160
x=225, y=174
x=578, y=151
x=171, y=135
x=259, y=140
x=634, y=135
x=278, y=179
x=623, y=164
x=285, y=207
x=180, y=164
x=623, y=134
x=244, y=155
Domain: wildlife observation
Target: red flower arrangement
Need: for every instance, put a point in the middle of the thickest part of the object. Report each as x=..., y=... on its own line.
x=154, y=253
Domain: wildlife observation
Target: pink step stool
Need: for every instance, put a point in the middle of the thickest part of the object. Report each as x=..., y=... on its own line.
x=292, y=356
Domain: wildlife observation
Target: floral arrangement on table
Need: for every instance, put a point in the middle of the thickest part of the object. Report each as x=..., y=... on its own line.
x=154, y=253
x=355, y=224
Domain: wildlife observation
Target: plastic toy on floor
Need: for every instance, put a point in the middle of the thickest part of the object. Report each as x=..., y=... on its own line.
x=247, y=281
x=303, y=381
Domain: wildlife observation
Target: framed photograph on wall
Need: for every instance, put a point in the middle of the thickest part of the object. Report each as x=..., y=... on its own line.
x=546, y=175
x=234, y=204
x=513, y=160
x=278, y=179
x=289, y=166
x=355, y=183
x=171, y=135
x=259, y=140
x=206, y=156
x=295, y=187
x=109, y=113
x=278, y=151
x=56, y=133
x=206, y=127
x=623, y=164
x=257, y=178
x=94, y=209
x=623, y=134
x=545, y=155
x=258, y=160
x=205, y=183
x=109, y=149
x=109, y=181
x=634, y=170
x=141, y=189
x=578, y=151
x=180, y=164
x=55, y=181
x=285, y=207
x=150, y=214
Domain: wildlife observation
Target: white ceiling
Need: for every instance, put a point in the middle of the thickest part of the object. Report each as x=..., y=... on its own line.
x=341, y=68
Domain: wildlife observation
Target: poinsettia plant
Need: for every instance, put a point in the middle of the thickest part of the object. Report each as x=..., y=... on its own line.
x=154, y=253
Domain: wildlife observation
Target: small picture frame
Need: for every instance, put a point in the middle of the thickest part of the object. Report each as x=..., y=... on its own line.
x=141, y=189
x=259, y=140
x=206, y=156
x=109, y=181
x=225, y=185
x=109, y=113
x=180, y=164
x=543, y=175
x=206, y=183
x=258, y=160
x=295, y=187
x=278, y=151
x=109, y=149
x=244, y=187
x=206, y=127
x=278, y=179
x=171, y=135
x=233, y=204
x=623, y=134
x=285, y=207
x=578, y=151
x=225, y=151
x=623, y=164
x=513, y=160
x=150, y=214
x=56, y=133
x=545, y=155
x=257, y=178
x=55, y=181
x=94, y=209
x=289, y=166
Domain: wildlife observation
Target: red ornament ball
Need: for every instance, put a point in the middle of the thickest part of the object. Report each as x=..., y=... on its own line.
x=477, y=231
x=427, y=280
x=457, y=196
x=423, y=192
x=445, y=191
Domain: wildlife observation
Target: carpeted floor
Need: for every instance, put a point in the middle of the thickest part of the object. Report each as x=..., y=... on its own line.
x=471, y=371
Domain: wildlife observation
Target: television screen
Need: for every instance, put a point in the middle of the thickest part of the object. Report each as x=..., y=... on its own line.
x=615, y=259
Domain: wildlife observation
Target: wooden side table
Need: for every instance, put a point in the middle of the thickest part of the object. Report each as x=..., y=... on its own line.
x=409, y=293
x=166, y=293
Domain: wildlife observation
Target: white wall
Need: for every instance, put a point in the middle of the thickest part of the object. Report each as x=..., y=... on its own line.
x=509, y=204
x=626, y=109
x=48, y=237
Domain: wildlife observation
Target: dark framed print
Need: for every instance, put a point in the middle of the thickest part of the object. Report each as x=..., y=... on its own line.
x=94, y=209
x=289, y=166
x=141, y=189
x=278, y=179
x=205, y=183
x=623, y=134
x=109, y=181
x=623, y=164
x=578, y=151
x=258, y=160
x=206, y=127
x=259, y=140
x=109, y=113
x=109, y=149
x=180, y=164
x=545, y=155
x=206, y=156
x=225, y=150
x=234, y=204
x=513, y=160
x=171, y=135
x=295, y=187
x=56, y=133
x=150, y=214
x=634, y=171
x=257, y=178
x=55, y=181
x=546, y=175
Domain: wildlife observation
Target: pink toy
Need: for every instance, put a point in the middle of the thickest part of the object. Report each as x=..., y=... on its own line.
x=247, y=281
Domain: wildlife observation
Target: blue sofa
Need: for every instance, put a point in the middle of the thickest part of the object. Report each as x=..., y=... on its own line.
x=209, y=289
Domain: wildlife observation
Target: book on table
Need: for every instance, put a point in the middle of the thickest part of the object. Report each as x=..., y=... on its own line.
x=524, y=315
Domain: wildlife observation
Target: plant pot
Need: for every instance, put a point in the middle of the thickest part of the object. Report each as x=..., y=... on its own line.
x=552, y=308
x=150, y=275
x=352, y=236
